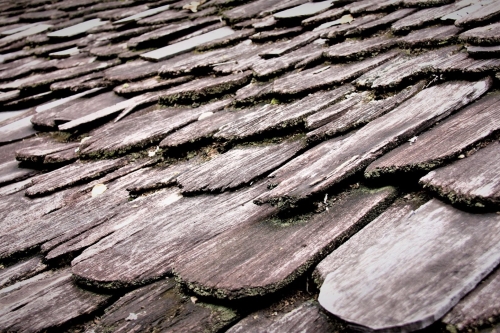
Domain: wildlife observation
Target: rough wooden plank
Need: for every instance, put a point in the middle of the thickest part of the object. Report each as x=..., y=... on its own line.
x=426, y=3
x=431, y=36
x=444, y=142
x=164, y=17
x=379, y=23
x=25, y=66
x=124, y=107
x=281, y=48
x=306, y=318
x=141, y=15
x=132, y=71
x=161, y=307
x=386, y=267
x=236, y=37
x=403, y=68
x=249, y=10
x=70, y=175
x=340, y=28
x=479, y=308
x=81, y=83
x=76, y=29
x=237, y=167
x=17, y=130
x=20, y=271
x=484, y=51
x=45, y=301
x=149, y=84
x=360, y=48
x=268, y=118
x=82, y=106
x=486, y=35
x=271, y=35
x=125, y=259
x=36, y=29
x=329, y=15
x=40, y=81
x=303, y=11
x=186, y=45
x=473, y=181
x=482, y=15
x=348, y=117
x=40, y=153
x=204, y=88
x=322, y=77
x=199, y=130
x=426, y=16
x=264, y=256
x=10, y=173
x=166, y=33
x=256, y=91
x=333, y=161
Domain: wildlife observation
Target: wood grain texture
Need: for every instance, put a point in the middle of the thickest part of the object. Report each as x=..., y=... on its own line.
x=346, y=116
x=161, y=307
x=44, y=301
x=132, y=71
x=479, y=308
x=269, y=118
x=335, y=160
x=237, y=167
x=486, y=35
x=81, y=83
x=483, y=15
x=204, y=88
x=280, y=48
x=322, y=77
x=142, y=131
x=10, y=172
x=484, y=51
x=329, y=15
x=360, y=48
x=45, y=152
x=449, y=263
x=20, y=271
x=261, y=257
x=306, y=318
x=141, y=252
x=339, y=31
x=473, y=181
x=444, y=142
x=430, y=36
x=380, y=23
x=71, y=175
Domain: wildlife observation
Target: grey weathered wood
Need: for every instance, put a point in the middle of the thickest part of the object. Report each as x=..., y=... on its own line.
x=256, y=91
x=20, y=271
x=25, y=66
x=304, y=10
x=473, y=181
x=204, y=88
x=268, y=118
x=166, y=16
x=430, y=36
x=82, y=106
x=306, y=318
x=283, y=47
x=362, y=6
x=264, y=36
x=41, y=153
x=482, y=15
x=489, y=34
x=380, y=23
x=44, y=301
x=444, y=142
x=339, y=30
x=141, y=252
x=479, y=308
x=426, y=3
x=333, y=161
x=160, y=306
x=237, y=167
x=346, y=119
x=374, y=272
x=70, y=175
x=484, y=51
x=255, y=8
x=236, y=37
x=199, y=130
x=328, y=15
x=426, y=16
x=167, y=33
x=186, y=45
x=39, y=81
x=261, y=257
x=81, y=83
x=132, y=71
x=154, y=178
x=76, y=29
x=35, y=29
x=360, y=48
x=124, y=107
x=64, y=53
x=149, y=85
x=10, y=173
x=141, y=15
x=325, y=76
x=17, y=130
